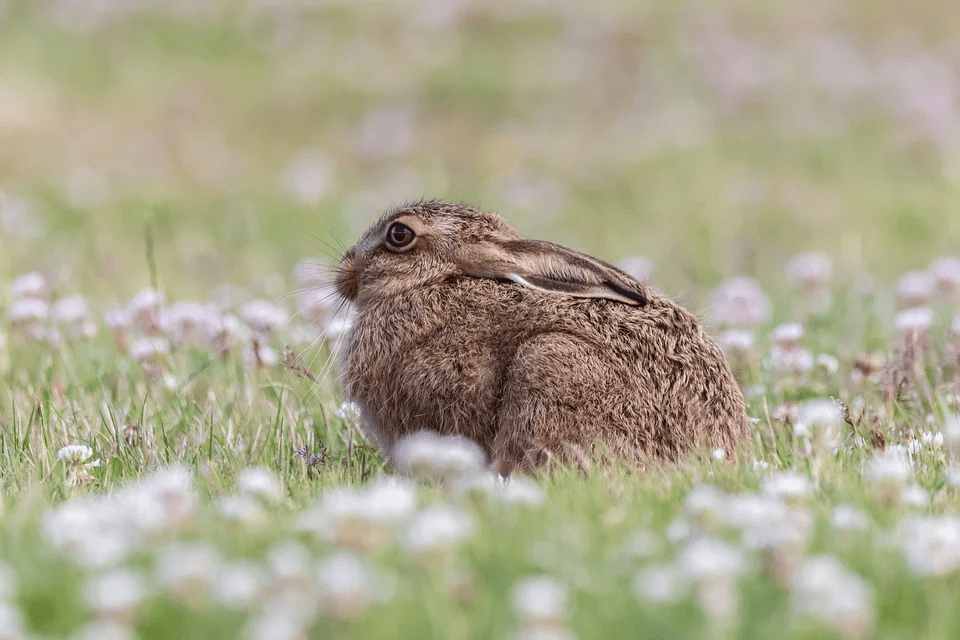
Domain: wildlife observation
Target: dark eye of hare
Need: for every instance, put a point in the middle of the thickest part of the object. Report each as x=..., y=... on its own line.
x=400, y=235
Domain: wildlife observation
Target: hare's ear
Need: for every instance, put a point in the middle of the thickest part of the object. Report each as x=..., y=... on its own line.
x=551, y=268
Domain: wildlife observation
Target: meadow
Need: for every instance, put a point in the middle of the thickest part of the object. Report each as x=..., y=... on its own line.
x=177, y=177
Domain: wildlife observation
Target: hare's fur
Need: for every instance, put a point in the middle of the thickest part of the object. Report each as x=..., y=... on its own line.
x=526, y=373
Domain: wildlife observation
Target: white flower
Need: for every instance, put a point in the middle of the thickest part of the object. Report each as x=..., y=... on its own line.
x=827, y=592
x=915, y=496
x=118, y=320
x=349, y=411
x=187, y=322
x=239, y=585
x=827, y=363
x=438, y=530
x=188, y=570
x=520, y=490
x=11, y=622
x=709, y=558
x=361, y=519
x=891, y=468
x=71, y=311
x=244, y=509
x=759, y=466
x=144, y=309
x=105, y=630
x=260, y=482
x=737, y=342
x=75, y=454
x=263, y=317
x=915, y=288
x=28, y=311
x=346, y=585
x=787, y=336
x=540, y=601
x=788, y=485
x=813, y=269
x=163, y=501
x=946, y=272
x=661, y=584
x=29, y=285
x=845, y=518
x=916, y=320
x=931, y=544
x=149, y=349
x=739, y=302
x=116, y=594
x=426, y=454
x=719, y=454
x=9, y=582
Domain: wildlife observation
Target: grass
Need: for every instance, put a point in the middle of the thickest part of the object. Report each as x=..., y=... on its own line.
x=147, y=147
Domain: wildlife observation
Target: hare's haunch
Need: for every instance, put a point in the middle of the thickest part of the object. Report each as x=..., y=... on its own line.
x=527, y=347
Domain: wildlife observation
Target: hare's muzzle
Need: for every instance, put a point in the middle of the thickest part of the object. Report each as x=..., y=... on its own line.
x=347, y=281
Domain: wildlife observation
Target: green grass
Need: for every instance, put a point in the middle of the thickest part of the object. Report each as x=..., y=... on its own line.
x=156, y=149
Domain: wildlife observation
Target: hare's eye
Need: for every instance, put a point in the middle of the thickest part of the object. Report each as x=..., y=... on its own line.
x=399, y=235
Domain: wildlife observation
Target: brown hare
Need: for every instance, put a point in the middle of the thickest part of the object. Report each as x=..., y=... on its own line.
x=533, y=350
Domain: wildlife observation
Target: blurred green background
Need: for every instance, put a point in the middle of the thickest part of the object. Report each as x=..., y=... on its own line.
x=716, y=138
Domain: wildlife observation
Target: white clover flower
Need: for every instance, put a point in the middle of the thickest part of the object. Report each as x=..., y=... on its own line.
x=105, y=630
x=638, y=267
x=426, y=454
x=719, y=454
x=187, y=322
x=737, y=342
x=92, y=533
x=346, y=586
x=540, y=601
x=437, y=531
x=521, y=490
x=711, y=558
x=75, y=454
x=661, y=584
x=349, y=411
x=11, y=622
x=915, y=288
x=679, y=530
x=275, y=623
x=361, y=519
x=263, y=317
x=187, y=570
x=930, y=544
x=891, y=468
x=788, y=485
x=915, y=496
x=9, y=582
x=28, y=311
x=116, y=594
x=144, y=308
x=810, y=270
x=946, y=273
x=145, y=350
x=239, y=585
x=163, y=501
x=827, y=363
x=825, y=591
x=933, y=440
x=29, y=285
x=704, y=502
x=760, y=466
x=118, y=320
x=787, y=336
x=739, y=302
x=795, y=361
x=261, y=483
x=72, y=310
x=243, y=509
x=847, y=519
x=915, y=320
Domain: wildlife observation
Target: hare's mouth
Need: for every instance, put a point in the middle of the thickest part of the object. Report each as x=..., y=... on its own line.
x=347, y=281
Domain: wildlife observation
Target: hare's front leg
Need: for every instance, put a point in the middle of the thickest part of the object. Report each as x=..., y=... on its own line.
x=552, y=404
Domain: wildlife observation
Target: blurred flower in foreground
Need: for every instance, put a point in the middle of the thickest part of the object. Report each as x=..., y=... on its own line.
x=812, y=273
x=116, y=594
x=261, y=483
x=29, y=285
x=361, y=519
x=436, y=532
x=187, y=570
x=739, y=302
x=346, y=586
x=826, y=592
x=428, y=455
x=946, y=273
x=540, y=602
x=930, y=544
x=889, y=472
x=915, y=289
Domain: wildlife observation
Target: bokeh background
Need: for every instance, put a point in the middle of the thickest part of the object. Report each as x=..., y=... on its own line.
x=212, y=141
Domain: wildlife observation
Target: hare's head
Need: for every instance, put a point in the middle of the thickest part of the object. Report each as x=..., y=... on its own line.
x=428, y=242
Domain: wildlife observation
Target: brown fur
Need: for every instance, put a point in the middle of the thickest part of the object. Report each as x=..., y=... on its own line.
x=529, y=348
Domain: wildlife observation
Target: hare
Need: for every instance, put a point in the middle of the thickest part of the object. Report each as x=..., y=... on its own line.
x=533, y=350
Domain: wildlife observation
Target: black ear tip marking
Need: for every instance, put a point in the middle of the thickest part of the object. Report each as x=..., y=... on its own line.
x=636, y=296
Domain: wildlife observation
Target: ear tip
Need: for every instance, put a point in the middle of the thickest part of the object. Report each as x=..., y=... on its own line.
x=638, y=297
